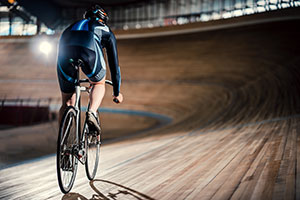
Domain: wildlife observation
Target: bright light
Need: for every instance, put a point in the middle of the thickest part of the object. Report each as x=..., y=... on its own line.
x=261, y=9
x=45, y=47
x=238, y=13
x=11, y=1
x=125, y=27
x=261, y=3
x=204, y=17
x=150, y=25
x=227, y=15
x=249, y=11
x=138, y=26
x=216, y=16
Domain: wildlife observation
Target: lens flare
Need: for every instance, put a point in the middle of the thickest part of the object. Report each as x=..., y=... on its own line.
x=45, y=47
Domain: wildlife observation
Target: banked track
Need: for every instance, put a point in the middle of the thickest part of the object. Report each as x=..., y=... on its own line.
x=234, y=96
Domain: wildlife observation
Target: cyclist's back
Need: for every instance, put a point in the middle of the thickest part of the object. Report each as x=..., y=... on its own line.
x=81, y=33
x=85, y=39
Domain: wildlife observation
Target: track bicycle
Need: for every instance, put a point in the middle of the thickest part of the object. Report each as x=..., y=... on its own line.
x=74, y=144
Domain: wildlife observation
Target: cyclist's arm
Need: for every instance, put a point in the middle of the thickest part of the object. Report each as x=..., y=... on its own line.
x=112, y=56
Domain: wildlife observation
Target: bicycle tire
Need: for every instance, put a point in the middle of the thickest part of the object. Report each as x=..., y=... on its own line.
x=92, y=152
x=66, y=162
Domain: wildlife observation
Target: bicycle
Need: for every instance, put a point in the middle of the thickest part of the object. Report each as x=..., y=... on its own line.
x=74, y=145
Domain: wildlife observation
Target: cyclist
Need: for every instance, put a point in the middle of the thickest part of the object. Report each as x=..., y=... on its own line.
x=84, y=39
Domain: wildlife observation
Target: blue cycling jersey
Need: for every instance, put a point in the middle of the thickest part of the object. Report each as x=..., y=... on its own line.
x=93, y=35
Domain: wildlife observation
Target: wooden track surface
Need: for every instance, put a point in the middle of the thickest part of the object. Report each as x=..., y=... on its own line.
x=234, y=96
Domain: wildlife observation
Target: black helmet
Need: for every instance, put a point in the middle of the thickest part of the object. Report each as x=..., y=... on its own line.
x=96, y=12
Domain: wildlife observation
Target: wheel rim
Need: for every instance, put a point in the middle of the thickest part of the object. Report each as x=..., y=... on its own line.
x=67, y=162
x=93, y=147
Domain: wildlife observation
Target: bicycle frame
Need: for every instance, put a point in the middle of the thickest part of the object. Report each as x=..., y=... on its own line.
x=77, y=106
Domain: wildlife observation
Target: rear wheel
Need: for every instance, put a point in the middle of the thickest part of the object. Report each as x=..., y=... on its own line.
x=93, y=151
x=67, y=146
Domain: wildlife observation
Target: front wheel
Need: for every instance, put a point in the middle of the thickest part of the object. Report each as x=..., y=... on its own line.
x=67, y=146
x=93, y=151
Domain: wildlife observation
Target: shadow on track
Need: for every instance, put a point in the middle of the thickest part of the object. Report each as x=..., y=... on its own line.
x=107, y=190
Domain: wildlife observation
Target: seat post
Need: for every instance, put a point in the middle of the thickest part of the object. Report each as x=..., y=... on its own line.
x=76, y=64
x=77, y=83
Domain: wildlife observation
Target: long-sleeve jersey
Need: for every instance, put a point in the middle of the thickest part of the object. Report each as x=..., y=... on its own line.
x=86, y=33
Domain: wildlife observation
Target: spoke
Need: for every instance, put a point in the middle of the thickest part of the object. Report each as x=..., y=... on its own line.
x=92, y=161
x=66, y=131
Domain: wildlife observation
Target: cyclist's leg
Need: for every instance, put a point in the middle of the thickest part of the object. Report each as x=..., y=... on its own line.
x=95, y=70
x=68, y=99
x=66, y=76
x=97, y=95
x=94, y=67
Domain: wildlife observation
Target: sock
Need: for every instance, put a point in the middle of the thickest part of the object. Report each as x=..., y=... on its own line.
x=95, y=113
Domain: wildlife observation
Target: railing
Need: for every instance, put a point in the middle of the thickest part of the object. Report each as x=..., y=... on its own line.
x=172, y=12
x=26, y=111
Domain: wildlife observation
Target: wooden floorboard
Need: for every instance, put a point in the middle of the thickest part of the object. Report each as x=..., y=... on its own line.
x=250, y=169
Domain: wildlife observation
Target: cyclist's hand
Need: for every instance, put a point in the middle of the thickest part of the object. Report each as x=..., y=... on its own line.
x=118, y=99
